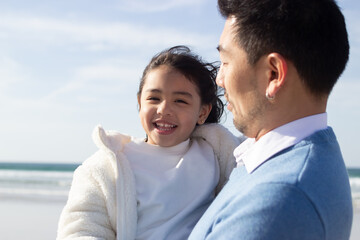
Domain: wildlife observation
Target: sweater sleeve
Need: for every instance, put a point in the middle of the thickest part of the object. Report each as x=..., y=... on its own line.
x=90, y=210
x=268, y=211
x=223, y=143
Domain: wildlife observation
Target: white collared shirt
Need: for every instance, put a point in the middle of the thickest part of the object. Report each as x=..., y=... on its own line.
x=253, y=153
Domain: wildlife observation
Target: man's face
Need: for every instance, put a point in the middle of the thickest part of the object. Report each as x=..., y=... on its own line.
x=244, y=90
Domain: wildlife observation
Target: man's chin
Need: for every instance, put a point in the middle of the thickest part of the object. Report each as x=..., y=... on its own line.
x=239, y=126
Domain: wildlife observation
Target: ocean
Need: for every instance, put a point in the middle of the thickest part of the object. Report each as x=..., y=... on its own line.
x=354, y=175
x=36, y=181
x=46, y=181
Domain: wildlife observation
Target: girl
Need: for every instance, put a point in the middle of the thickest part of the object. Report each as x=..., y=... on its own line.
x=159, y=187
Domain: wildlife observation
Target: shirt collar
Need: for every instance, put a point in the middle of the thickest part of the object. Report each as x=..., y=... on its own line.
x=253, y=153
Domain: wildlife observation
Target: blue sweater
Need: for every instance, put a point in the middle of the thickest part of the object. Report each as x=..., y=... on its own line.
x=302, y=192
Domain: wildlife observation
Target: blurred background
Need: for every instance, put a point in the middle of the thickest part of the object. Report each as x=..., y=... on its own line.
x=67, y=66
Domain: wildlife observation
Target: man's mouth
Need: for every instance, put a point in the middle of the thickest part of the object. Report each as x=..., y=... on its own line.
x=227, y=103
x=226, y=99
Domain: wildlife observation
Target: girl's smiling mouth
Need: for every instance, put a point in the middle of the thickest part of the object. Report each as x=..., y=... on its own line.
x=164, y=127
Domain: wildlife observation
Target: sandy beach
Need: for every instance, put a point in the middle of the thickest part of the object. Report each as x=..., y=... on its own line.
x=37, y=220
x=355, y=232
x=31, y=220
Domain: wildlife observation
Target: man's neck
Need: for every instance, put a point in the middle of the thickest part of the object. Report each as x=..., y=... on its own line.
x=288, y=110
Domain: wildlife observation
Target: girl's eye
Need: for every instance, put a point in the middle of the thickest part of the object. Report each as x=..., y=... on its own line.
x=181, y=101
x=153, y=99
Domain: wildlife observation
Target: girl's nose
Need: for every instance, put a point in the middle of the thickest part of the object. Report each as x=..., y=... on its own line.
x=164, y=108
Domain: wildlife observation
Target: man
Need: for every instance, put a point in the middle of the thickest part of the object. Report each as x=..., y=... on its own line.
x=280, y=61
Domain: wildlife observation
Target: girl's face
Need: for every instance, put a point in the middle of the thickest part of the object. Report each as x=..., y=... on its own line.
x=170, y=107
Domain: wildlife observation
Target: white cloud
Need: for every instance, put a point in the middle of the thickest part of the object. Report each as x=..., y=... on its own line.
x=101, y=78
x=102, y=72
x=343, y=106
x=156, y=5
x=95, y=35
x=10, y=72
x=352, y=24
x=345, y=95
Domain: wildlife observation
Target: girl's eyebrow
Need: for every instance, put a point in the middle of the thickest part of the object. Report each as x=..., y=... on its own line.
x=183, y=93
x=186, y=94
x=153, y=90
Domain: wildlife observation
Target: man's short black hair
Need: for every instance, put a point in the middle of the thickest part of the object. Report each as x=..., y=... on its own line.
x=309, y=33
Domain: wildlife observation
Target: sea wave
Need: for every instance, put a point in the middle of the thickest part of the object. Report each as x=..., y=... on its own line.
x=33, y=194
x=355, y=191
x=40, y=185
x=53, y=183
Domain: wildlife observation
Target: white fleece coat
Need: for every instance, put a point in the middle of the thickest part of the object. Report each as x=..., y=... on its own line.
x=102, y=198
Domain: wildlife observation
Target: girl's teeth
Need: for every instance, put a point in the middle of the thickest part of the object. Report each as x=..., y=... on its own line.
x=165, y=125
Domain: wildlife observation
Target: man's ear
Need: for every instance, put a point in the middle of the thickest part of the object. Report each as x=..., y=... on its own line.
x=204, y=113
x=277, y=75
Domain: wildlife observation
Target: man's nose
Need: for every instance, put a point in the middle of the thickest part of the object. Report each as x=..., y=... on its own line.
x=220, y=78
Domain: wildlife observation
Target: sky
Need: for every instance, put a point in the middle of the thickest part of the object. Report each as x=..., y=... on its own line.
x=67, y=66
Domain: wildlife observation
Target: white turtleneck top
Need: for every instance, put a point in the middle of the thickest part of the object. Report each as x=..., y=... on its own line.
x=174, y=186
